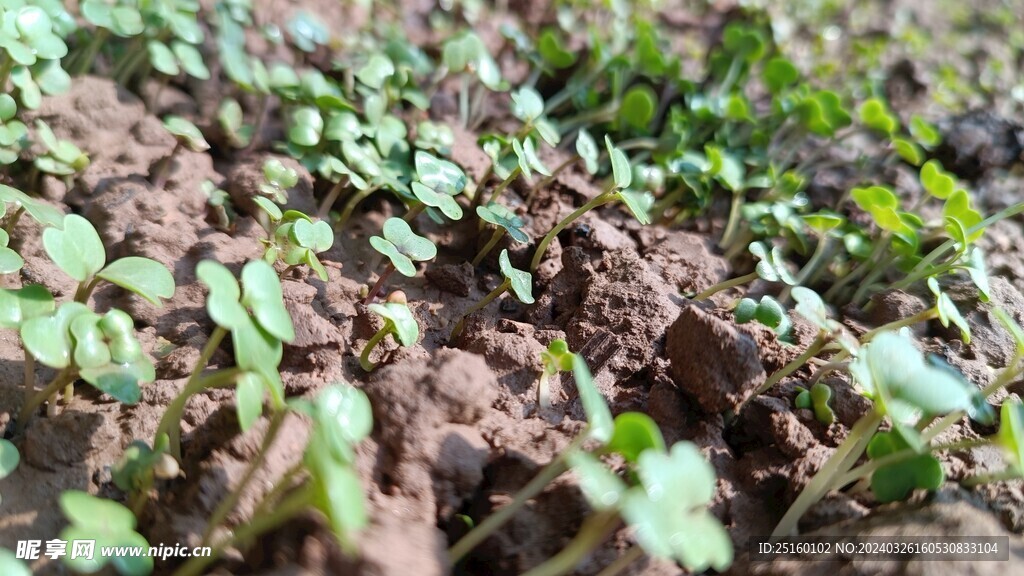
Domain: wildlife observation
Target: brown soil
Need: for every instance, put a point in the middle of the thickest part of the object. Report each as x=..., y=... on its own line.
x=457, y=427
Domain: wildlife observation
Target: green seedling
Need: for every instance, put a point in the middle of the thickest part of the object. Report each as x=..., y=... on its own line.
x=672, y=524
x=102, y=350
x=906, y=389
x=76, y=248
x=295, y=238
x=438, y=183
x=32, y=48
x=520, y=281
x=403, y=247
x=557, y=358
x=22, y=203
x=140, y=466
x=119, y=18
x=398, y=321
x=62, y=158
x=434, y=137
x=768, y=312
x=771, y=267
x=219, y=202
x=618, y=190
x=466, y=55
x=13, y=132
x=307, y=31
x=108, y=524
x=9, y=459
x=168, y=41
x=816, y=399
x=277, y=180
x=232, y=123
x=505, y=221
x=10, y=564
x=255, y=316
x=186, y=135
x=341, y=417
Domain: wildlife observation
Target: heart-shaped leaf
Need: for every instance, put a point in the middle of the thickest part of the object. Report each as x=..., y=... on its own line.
x=527, y=104
x=399, y=321
x=376, y=71
x=17, y=306
x=77, y=249
x=403, y=246
x=121, y=381
x=500, y=215
x=520, y=280
x=445, y=203
x=261, y=293
x=317, y=236
x=634, y=434
x=143, y=276
x=602, y=488
x=47, y=337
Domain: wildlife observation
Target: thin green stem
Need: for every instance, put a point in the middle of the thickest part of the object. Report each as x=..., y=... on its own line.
x=257, y=128
x=598, y=200
x=283, y=484
x=13, y=220
x=354, y=201
x=59, y=381
x=479, y=306
x=622, y=562
x=30, y=375
x=922, y=316
x=795, y=365
x=231, y=500
x=364, y=358
x=491, y=524
x=733, y=224
x=726, y=285
x=989, y=477
x=921, y=270
x=379, y=285
x=332, y=196
x=500, y=188
x=495, y=237
x=819, y=254
x=596, y=529
x=836, y=465
x=170, y=423
x=290, y=507
x=869, y=467
x=414, y=212
x=85, y=289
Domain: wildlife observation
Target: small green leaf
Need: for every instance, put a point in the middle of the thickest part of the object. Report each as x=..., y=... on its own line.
x=187, y=133
x=621, y=171
x=527, y=104
x=894, y=482
x=400, y=321
x=77, y=248
x=925, y=134
x=1011, y=432
x=937, y=181
x=876, y=115
x=500, y=215
x=599, y=416
x=586, y=147
x=635, y=433
x=143, y=276
x=9, y=458
x=779, y=73
x=602, y=488
x=261, y=291
x=521, y=280
x=248, y=399
x=376, y=71
x=638, y=106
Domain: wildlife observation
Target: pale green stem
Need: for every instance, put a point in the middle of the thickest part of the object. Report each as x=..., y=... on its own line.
x=479, y=306
x=726, y=285
x=543, y=246
x=491, y=524
x=364, y=358
x=795, y=365
x=354, y=201
x=836, y=465
x=498, y=233
x=229, y=501
x=595, y=530
x=49, y=393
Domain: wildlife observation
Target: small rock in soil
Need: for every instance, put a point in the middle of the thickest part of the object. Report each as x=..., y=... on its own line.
x=712, y=360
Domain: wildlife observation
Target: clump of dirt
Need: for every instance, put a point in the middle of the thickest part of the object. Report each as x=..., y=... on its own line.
x=979, y=141
x=712, y=360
